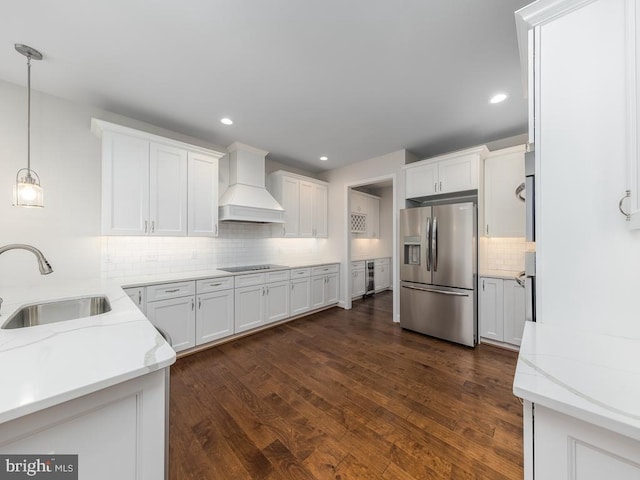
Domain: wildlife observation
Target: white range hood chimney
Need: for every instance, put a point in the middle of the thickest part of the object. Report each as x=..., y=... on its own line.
x=246, y=199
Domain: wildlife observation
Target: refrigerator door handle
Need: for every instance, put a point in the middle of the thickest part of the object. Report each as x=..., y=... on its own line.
x=428, y=244
x=434, y=244
x=444, y=292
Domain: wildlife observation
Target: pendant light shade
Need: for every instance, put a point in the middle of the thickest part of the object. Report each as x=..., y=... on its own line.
x=27, y=191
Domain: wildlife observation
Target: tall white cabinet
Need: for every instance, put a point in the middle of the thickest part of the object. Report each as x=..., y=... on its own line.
x=156, y=186
x=581, y=59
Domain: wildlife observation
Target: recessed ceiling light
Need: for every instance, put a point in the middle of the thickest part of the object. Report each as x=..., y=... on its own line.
x=324, y=158
x=227, y=121
x=498, y=97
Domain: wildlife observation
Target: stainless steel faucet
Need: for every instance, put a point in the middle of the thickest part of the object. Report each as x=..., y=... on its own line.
x=43, y=263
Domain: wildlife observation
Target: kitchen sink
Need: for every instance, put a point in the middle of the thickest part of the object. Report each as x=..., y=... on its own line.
x=57, y=311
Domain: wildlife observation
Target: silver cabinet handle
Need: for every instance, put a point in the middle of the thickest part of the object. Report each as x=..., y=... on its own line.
x=520, y=278
x=440, y=186
x=193, y=304
x=519, y=189
x=434, y=244
x=172, y=291
x=627, y=194
x=444, y=292
x=146, y=226
x=435, y=187
x=215, y=284
x=153, y=226
x=292, y=285
x=139, y=297
x=199, y=303
x=215, y=229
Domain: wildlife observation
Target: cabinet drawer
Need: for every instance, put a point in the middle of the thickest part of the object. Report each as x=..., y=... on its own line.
x=170, y=290
x=357, y=265
x=325, y=269
x=278, y=276
x=381, y=261
x=250, y=279
x=214, y=284
x=300, y=273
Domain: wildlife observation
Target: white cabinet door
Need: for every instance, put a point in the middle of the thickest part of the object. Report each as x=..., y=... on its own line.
x=381, y=276
x=514, y=312
x=300, y=295
x=320, y=220
x=291, y=204
x=373, y=220
x=318, y=291
x=331, y=288
x=421, y=181
x=569, y=448
x=358, y=202
x=491, y=308
x=358, y=282
x=167, y=190
x=214, y=316
x=139, y=296
x=249, y=307
x=177, y=317
x=203, y=195
x=125, y=185
x=306, y=228
x=504, y=213
x=458, y=174
x=276, y=301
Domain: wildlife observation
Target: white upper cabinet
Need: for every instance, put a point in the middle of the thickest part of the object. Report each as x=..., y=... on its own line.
x=203, y=195
x=125, y=185
x=147, y=188
x=305, y=202
x=504, y=214
x=167, y=190
x=454, y=172
x=365, y=214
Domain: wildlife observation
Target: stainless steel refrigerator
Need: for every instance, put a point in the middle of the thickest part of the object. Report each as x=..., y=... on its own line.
x=438, y=271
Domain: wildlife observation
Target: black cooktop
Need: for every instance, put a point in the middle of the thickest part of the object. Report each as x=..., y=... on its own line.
x=250, y=268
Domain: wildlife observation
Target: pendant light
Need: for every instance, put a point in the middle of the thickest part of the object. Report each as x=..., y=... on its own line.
x=27, y=191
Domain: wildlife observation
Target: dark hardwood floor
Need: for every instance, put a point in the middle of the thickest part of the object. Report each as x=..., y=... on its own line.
x=345, y=395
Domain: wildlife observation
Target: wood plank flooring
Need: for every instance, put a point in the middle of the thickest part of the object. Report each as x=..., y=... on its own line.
x=345, y=395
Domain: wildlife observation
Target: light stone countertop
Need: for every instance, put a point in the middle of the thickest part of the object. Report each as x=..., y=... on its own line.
x=49, y=364
x=592, y=377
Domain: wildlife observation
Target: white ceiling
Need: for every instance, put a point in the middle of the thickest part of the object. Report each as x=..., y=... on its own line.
x=300, y=78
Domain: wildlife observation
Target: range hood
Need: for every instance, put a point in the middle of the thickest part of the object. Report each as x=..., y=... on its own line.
x=246, y=199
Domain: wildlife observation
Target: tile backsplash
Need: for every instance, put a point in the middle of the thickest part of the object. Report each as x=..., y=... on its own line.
x=502, y=254
x=237, y=244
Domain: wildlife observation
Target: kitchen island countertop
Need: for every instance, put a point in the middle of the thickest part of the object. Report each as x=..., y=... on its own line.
x=45, y=365
x=589, y=376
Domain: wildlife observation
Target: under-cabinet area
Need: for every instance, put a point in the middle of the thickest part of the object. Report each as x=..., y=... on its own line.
x=198, y=312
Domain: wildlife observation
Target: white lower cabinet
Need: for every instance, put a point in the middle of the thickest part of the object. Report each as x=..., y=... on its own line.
x=300, y=295
x=358, y=279
x=177, y=317
x=381, y=274
x=324, y=285
x=565, y=447
x=263, y=299
x=124, y=423
x=501, y=310
x=139, y=296
x=215, y=309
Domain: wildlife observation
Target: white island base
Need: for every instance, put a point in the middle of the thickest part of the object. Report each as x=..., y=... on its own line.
x=118, y=432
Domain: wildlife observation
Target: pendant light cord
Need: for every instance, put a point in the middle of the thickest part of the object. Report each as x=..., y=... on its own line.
x=29, y=115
